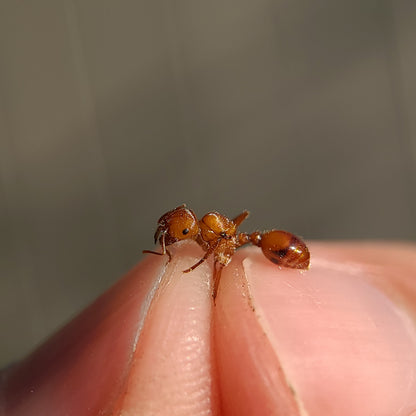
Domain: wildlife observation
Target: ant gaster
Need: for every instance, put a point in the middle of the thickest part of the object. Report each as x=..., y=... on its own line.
x=217, y=235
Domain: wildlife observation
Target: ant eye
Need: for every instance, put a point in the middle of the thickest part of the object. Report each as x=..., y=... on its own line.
x=185, y=231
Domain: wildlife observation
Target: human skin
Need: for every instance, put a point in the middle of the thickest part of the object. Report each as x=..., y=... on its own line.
x=338, y=339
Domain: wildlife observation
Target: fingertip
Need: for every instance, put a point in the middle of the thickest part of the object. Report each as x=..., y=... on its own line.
x=143, y=346
x=323, y=341
x=81, y=370
x=172, y=371
x=251, y=378
x=320, y=340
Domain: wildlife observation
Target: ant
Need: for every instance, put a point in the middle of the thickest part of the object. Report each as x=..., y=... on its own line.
x=217, y=235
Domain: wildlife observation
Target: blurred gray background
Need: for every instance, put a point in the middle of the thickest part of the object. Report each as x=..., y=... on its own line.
x=113, y=112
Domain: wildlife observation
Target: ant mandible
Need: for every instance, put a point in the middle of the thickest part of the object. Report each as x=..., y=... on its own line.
x=217, y=235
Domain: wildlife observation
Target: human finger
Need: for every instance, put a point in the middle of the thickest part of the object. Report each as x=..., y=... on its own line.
x=142, y=348
x=338, y=339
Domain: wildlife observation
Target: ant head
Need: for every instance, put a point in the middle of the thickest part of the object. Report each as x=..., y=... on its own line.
x=179, y=224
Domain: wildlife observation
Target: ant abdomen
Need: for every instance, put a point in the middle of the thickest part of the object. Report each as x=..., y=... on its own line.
x=283, y=248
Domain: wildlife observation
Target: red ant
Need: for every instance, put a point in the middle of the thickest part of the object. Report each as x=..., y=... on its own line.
x=217, y=235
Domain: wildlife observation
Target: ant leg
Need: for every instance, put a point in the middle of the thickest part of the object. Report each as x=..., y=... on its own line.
x=164, y=249
x=199, y=262
x=217, y=276
x=152, y=252
x=207, y=254
x=158, y=254
x=196, y=264
x=240, y=218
